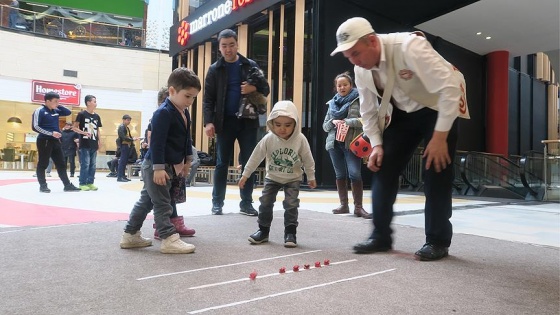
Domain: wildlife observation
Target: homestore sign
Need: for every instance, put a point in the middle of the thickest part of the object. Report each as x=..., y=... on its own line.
x=217, y=13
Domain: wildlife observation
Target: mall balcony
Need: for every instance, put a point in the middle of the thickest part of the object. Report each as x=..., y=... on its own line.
x=76, y=25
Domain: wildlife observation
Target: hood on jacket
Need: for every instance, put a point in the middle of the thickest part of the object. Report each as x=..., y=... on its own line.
x=284, y=108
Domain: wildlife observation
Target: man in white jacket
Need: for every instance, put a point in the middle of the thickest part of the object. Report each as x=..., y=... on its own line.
x=428, y=96
x=286, y=151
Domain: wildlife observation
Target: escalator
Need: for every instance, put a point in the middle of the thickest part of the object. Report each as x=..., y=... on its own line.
x=486, y=175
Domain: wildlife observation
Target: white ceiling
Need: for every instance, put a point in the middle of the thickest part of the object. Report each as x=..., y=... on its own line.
x=521, y=27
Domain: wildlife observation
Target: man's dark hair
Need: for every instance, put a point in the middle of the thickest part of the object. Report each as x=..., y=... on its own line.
x=183, y=78
x=50, y=95
x=227, y=33
x=88, y=98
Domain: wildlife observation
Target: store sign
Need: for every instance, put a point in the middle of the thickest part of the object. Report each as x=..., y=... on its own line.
x=203, y=24
x=69, y=93
x=215, y=14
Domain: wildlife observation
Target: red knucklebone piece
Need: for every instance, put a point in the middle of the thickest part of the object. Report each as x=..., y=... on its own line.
x=253, y=275
x=283, y=270
x=326, y=262
x=306, y=266
x=317, y=264
x=296, y=268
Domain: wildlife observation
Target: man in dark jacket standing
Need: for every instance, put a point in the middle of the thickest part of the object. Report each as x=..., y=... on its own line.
x=45, y=122
x=125, y=140
x=225, y=86
x=69, y=141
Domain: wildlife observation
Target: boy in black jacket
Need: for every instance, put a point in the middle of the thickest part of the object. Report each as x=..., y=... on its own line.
x=170, y=155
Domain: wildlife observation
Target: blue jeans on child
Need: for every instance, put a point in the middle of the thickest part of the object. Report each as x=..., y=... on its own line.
x=88, y=159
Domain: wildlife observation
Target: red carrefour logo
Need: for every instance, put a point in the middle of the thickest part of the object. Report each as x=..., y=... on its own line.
x=183, y=33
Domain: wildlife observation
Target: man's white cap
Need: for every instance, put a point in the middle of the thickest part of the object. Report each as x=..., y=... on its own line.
x=349, y=32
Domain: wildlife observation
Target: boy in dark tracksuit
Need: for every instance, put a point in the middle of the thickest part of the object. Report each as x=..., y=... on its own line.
x=169, y=155
x=45, y=122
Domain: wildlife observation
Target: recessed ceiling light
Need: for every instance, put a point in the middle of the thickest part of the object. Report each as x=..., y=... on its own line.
x=479, y=33
x=488, y=37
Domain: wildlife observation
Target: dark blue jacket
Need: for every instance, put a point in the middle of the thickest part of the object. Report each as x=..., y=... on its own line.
x=45, y=121
x=170, y=142
x=215, y=87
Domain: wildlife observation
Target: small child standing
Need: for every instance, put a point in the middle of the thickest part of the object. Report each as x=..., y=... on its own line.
x=169, y=155
x=286, y=151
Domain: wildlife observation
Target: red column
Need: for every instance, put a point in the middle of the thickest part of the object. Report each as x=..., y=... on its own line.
x=497, y=102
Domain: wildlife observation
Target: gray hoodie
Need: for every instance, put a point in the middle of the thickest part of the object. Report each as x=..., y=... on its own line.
x=284, y=158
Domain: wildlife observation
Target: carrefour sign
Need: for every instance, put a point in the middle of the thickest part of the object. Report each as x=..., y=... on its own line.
x=212, y=18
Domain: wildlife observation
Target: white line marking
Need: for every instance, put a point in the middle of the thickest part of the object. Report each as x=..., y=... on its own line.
x=266, y=276
x=287, y=292
x=46, y=227
x=228, y=265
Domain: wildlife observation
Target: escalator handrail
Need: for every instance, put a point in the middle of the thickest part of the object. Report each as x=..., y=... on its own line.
x=462, y=168
x=522, y=163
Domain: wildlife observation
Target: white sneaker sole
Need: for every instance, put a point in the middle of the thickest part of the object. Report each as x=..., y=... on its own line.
x=184, y=250
x=135, y=245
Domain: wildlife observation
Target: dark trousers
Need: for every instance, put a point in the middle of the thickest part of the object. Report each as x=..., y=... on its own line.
x=290, y=203
x=50, y=149
x=72, y=160
x=400, y=140
x=123, y=160
x=234, y=129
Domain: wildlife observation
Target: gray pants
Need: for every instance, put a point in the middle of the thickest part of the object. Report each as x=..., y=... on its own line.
x=291, y=203
x=155, y=197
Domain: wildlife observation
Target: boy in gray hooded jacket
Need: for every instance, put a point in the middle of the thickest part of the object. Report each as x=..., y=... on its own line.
x=286, y=151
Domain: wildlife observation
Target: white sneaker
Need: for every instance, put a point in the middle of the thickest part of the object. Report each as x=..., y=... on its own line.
x=174, y=245
x=134, y=240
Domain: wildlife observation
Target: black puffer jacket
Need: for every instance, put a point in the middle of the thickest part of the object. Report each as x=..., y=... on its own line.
x=215, y=91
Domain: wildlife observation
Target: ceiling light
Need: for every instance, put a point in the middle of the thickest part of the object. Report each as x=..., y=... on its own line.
x=479, y=33
x=14, y=119
x=38, y=5
x=488, y=37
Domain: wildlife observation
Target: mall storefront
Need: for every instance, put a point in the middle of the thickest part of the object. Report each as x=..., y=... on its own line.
x=291, y=41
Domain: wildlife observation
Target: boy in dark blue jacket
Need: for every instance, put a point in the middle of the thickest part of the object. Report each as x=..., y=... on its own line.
x=45, y=122
x=169, y=155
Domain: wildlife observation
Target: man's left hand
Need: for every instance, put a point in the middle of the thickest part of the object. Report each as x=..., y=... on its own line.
x=247, y=88
x=436, y=152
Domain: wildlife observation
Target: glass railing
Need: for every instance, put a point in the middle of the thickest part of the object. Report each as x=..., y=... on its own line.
x=551, y=169
x=71, y=28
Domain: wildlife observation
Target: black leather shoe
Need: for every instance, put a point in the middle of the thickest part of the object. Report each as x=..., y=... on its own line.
x=431, y=252
x=247, y=209
x=122, y=179
x=216, y=210
x=258, y=237
x=44, y=189
x=290, y=240
x=371, y=246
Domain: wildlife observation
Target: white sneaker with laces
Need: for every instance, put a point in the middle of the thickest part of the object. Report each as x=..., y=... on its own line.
x=134, y=240
x=174, y=245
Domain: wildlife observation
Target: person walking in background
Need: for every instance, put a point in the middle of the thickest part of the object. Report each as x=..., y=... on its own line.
x=87, y=125
x=169, y=157
x=428, y=94
x=70, y=140
x=225, y=85
x=45, y=123
x=14, y=14
x=286, y=151
x=125, y=139
x=343, y=124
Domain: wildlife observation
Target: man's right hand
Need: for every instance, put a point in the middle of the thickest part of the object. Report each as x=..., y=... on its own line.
x=375, y=158
x=210, y=130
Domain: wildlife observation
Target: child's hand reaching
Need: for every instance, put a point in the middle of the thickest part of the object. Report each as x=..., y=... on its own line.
x=312, y=184
x=242, y=182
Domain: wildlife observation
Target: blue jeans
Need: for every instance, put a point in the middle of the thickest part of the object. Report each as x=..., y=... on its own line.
x=153, y=196
x=234, y=128
x=346, y=164
x=87, y=165
x=290, y=203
